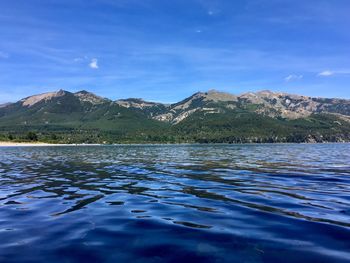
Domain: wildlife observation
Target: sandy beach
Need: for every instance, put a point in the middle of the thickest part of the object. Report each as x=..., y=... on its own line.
x=13, y=144
x=37, y=144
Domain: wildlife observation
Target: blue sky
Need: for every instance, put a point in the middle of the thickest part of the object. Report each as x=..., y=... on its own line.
x=166, y=50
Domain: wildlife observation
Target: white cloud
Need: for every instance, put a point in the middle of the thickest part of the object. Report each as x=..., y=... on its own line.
x=326, y=73
x=81, y=59
x=94, y=63
x=214, y=12
x=293, y=77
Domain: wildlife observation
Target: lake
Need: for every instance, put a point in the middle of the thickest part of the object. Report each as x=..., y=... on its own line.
x=175, y=203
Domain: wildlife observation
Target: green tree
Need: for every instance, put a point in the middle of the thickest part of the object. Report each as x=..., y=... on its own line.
x=32, y=136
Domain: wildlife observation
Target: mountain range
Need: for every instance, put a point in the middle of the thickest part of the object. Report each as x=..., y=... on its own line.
x=204, y=117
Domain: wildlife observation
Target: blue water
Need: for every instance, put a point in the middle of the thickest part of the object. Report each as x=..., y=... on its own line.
x=186, y=203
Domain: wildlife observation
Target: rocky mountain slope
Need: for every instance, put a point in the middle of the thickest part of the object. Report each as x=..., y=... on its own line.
x=211, y=116
x=267, y=103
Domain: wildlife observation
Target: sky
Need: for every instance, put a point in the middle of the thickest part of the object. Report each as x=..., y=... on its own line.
x=167, y=50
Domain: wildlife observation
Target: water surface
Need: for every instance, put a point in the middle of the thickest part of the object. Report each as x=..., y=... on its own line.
x=184, y=203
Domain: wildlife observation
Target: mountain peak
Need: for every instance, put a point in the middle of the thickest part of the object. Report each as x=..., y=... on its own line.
x=266, y=91
x=32, y=100
x=83, y=92
x=85, y=96
x=216, y=96
x=213, y=91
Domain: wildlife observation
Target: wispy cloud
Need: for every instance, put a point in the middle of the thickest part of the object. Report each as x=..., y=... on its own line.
x=293, y=77
x=326, y=73
x=211, y=7
x=81, y=59
x=214, y=12
x=94, y=63
x=78, y=59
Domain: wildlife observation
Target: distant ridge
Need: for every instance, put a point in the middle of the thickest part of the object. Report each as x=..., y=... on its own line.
x=203, y=117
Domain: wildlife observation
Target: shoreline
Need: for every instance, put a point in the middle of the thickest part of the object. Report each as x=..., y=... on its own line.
x=43, y=144
x=38, y=144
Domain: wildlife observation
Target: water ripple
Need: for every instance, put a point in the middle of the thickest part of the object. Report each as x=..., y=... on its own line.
x=219, y=203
